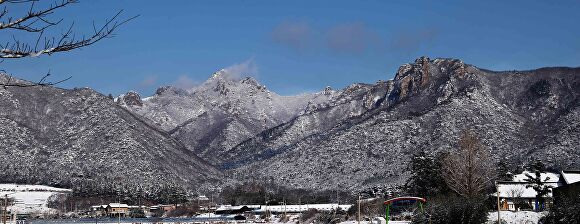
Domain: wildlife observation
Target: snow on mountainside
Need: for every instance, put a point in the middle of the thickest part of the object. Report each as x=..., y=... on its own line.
x=221, y=112
x=81, y=139
x=517, y=115
x=353, y=101
x=356, y=138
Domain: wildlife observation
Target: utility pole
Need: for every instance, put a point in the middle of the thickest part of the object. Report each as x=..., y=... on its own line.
x=5, y=208
x=498, y=206
x=284, y=200
x=210, y=204
x=337, y=203
x=299, y=208
x=358, y=217
x=4, y=212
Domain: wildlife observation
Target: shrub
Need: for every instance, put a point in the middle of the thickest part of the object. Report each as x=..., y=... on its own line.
x=565, y=211
x=453, y=209
x=308, y=215
x=182, y=211
x=137, y=213
x=328, y=217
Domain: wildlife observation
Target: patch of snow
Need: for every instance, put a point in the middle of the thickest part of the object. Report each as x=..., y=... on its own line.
x=516, y=217
x=30, y=198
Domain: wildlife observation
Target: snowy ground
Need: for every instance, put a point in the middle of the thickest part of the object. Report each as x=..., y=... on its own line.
x=377, y=221
x=29, y=198
x=522, y=217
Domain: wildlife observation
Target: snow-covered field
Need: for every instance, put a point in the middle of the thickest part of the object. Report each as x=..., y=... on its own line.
x=30, y=198
x=522, y=217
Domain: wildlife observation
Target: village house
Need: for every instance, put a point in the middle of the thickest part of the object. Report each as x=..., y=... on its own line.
x=570, y=187
x=167, y=208
x=99, y=210
x=517, y=195
x=202, y=199
x=117, y=209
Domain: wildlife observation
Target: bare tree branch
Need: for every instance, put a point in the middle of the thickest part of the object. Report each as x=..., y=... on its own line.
x=20, y=23
x=37, y=21
x=16, y=1
x=66, y=42
x=10, y=82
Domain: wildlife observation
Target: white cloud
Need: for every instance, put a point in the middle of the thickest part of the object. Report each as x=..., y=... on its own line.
x=243, y=69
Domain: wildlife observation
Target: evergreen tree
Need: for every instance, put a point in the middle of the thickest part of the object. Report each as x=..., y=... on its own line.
x=503, y=171
x=535, y=182
x=172, y=194
x=426, y=177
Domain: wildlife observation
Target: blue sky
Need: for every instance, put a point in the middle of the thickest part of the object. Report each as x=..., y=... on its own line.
x=303, y=46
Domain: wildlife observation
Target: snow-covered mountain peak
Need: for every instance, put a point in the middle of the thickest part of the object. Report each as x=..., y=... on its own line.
x=228, y=75
x=223, y=111
x=221, y=74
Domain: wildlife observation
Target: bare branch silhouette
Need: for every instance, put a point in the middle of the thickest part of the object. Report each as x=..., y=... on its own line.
x=37, y=21
x=11, y=81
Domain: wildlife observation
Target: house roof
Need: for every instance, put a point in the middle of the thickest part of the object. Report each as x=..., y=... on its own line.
x=281, y=208
x=570, y=176
x=118, y=205
x=304, y=207
x=202, y=198
x=519, y=189
x=546, y=177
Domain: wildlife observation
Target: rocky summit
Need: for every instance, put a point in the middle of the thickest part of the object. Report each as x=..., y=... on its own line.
x=518, y=115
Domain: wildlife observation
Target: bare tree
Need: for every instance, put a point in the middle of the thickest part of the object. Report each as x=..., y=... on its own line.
x=468, y=171
x=36, y=21
x=516, y=194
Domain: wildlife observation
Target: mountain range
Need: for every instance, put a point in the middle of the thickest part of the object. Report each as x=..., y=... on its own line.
x=234, y=129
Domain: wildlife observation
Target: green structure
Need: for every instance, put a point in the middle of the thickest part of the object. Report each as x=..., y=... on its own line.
x=389, y=202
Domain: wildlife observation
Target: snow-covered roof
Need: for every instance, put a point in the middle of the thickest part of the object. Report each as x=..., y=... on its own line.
x=301, y=208
x=237, y=207
x=570, y=176
x=547, y=176
x=519, y=189
x=285, y=208
x=118, y=205
x=202, y=198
